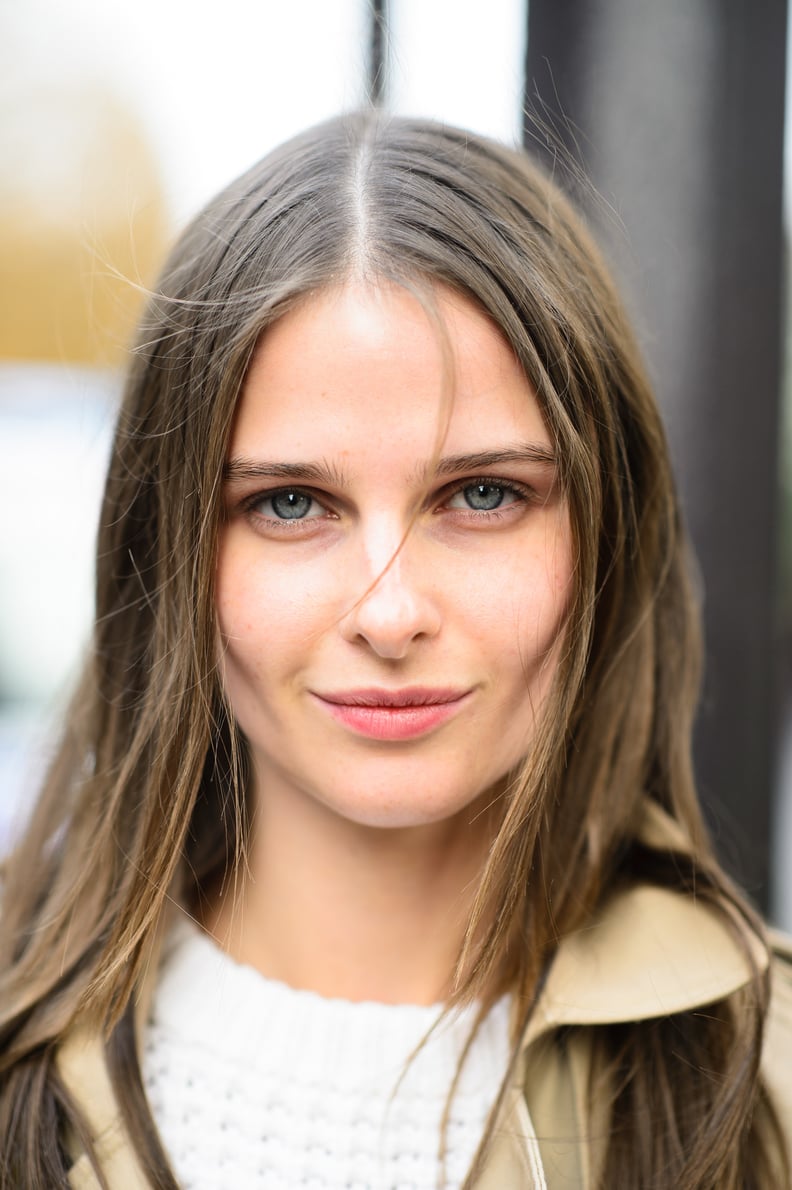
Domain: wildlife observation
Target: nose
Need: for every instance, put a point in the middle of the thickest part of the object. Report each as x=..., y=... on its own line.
x=396, y=610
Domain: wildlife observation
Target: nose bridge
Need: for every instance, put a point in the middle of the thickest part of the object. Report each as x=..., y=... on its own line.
x=384, y=539
x=389, y=581
x=387, y=546
x=395, y=605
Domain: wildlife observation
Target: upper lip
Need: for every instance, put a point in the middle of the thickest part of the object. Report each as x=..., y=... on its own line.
x=410, y=696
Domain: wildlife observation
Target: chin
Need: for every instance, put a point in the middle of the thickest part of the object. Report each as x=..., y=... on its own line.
x=399, y=812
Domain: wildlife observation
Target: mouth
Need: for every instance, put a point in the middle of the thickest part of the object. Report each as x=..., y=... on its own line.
x=393, y=714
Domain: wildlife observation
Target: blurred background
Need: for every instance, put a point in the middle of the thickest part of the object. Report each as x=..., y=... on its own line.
x=118, y=121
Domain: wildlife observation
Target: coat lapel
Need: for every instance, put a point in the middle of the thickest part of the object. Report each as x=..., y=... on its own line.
x=649, y=952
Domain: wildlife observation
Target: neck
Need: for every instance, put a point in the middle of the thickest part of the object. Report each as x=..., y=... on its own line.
x=352, y=911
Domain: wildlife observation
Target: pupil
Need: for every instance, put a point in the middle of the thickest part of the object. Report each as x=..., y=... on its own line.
x=291, y=505
x=484, y=496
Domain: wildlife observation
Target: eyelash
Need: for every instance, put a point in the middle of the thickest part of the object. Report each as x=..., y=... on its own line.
x=522, y=495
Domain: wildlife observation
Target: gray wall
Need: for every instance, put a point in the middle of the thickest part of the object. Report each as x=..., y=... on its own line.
x=675, y=110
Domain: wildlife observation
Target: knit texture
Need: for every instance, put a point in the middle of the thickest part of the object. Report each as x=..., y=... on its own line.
x=254, y=1084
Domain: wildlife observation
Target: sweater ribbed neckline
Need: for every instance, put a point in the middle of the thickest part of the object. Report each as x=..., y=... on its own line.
x=252, y=1018
x=283, y=1087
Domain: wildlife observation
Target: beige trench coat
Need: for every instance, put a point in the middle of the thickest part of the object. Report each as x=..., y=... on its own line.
x=650, y=952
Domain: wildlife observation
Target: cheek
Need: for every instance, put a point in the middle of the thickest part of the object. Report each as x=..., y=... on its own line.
x=243, y=620
x=552, y=624
x=536, y=597
x=254, y=645
x=267, y=614
x=558, y=572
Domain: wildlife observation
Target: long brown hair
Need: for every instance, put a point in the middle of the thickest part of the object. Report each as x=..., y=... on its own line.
x=145, y=800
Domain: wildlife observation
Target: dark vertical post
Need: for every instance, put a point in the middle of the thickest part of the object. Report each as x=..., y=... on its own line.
x=378, y=53
x=676, y=112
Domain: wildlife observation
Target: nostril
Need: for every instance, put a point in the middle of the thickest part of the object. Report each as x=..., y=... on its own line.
x=391, y=615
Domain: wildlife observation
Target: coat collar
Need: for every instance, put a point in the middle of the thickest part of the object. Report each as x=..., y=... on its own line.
x=648, y=952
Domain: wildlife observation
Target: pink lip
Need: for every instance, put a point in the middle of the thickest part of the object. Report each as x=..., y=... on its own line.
x=393, y=714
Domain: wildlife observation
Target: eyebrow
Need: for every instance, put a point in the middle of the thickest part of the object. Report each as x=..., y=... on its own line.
x=243, y=469
x=529, y=452
x=239, y=469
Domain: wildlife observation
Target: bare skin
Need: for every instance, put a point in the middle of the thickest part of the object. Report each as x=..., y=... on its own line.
x=389, y=625
x=353, y=911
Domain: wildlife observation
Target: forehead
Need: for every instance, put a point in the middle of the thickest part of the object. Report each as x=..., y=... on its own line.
x=367, y=369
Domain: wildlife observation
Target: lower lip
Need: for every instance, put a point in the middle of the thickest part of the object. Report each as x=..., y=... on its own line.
x=392, y=723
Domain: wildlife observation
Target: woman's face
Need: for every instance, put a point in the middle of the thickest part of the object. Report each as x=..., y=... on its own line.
x=395, y=562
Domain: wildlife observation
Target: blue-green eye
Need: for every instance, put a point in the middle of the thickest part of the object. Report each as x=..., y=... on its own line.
x=289, y=504
x=483, y=496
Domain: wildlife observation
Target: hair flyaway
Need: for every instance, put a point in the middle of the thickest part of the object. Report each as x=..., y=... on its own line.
x=371, y=853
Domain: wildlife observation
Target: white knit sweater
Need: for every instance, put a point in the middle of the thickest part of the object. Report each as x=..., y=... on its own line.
x=254, y=1084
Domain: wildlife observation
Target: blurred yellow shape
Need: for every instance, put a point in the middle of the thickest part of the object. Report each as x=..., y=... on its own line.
x=82, y=224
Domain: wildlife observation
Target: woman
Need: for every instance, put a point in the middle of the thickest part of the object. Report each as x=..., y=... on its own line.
x=388, y=708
